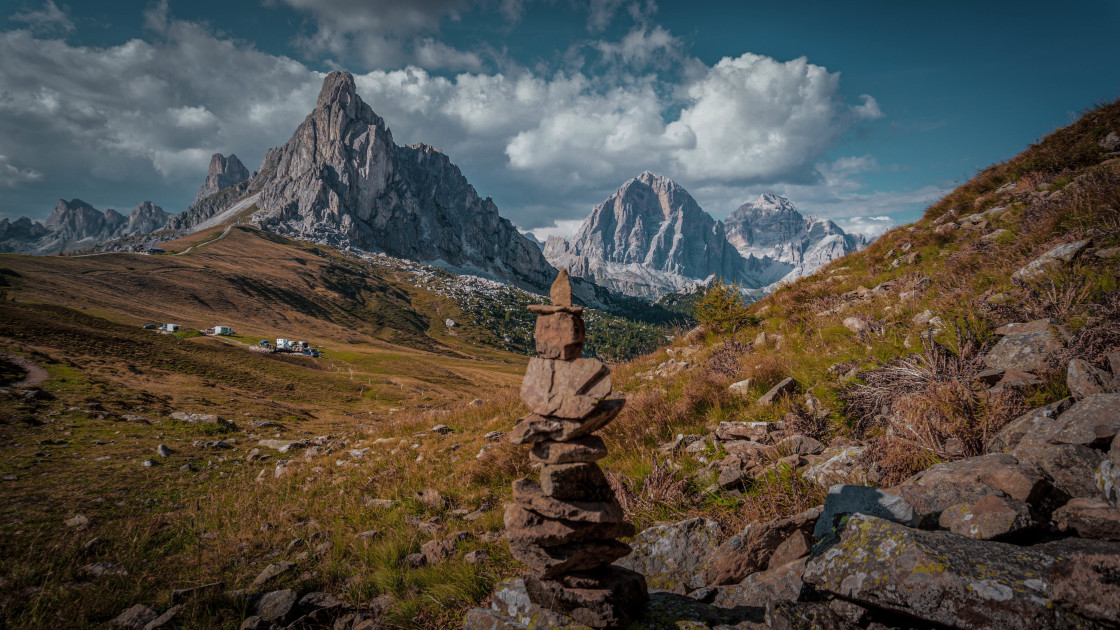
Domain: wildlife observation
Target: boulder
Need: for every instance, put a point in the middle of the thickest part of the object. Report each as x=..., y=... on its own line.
x=794, y=548
x=750, y=550
x=796, y=444
x=565, y=389
x=785, y=387
x=1070, y=468
x=536, y=428
x=1089, y=517
x=838, y=465
x=991, y=516
x=673, y=557
x=1093, y=421
x=844, y=500
x=589, y=448
x=937, y=577
x=529, y=494
x=1036, y=421
x=276, y=605
x=1024, y=350
x=1053, y=259
x=1085, y=380
x=1087, y=585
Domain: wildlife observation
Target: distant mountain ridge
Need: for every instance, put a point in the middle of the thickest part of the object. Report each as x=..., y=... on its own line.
x=651, y=238
x=74, y=224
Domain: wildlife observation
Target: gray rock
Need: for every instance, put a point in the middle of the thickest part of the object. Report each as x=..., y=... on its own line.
x=785, y=387
x=272, y=571
x=844, y=500
x=938, y=577
x=276, y=605
x=1089, y=517
x=838, y=465
x=989, y=517
x=136, y=617
x=1093, y=421
x=673, y=557
x=1049, y=261
x=751, y=550
x=1024, y=351
x=163, y=451
x=765, y=587
x=1036, y=421
x=224, y=172
x=1085, y=380
x=165, y=618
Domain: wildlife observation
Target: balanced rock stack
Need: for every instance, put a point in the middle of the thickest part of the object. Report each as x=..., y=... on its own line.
x=564, y=528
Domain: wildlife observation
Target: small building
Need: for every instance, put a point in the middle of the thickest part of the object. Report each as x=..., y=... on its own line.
x=223, y=330
x=171, y=327
x=282, y=344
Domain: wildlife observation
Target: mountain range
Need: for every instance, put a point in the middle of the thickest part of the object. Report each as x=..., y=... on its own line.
x=341, y=180
x=650, y=238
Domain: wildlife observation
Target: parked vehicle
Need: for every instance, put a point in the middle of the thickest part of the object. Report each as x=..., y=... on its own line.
x=263, y=343
x=150, y=326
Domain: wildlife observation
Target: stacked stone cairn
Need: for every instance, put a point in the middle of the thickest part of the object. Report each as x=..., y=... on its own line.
x=565, y=527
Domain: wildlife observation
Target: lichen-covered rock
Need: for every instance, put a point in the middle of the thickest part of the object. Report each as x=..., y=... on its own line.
x=750, y=550
x=967, y=480
x=938, y=577
x=1085, y=380
x=838, y=465
x=673, y=557
x=1051, y=260
x=763, y=588
x=1024, y=351
x=1092, y=421
x=1089, y=585
x=1107, y=474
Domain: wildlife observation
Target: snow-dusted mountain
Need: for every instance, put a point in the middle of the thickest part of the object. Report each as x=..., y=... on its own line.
x=772, y=227
x=651, y=238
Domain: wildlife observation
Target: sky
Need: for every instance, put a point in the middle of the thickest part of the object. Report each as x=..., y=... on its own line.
x=862, y=112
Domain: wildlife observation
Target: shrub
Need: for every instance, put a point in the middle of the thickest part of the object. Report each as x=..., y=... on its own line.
x=722, y=308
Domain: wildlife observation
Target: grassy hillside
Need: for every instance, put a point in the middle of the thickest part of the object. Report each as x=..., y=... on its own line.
x=346, y=504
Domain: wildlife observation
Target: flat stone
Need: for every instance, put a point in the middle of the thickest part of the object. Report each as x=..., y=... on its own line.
x=608, y=598
x=565, y=389
x=1085, y=380
x=589, y=448
x=272, y=571
x=1024, y=352
x=524, y=526
x=536, y=428
x=936, y=577
x=136, y=617
x=181, y=595
x=1089, y=517
x=797, y=444
x=1052, y=259
x=559, y=336
x=1020, y=328
x=1088, y=585
x=547, y=562
x=575, y=482
x=785, y=387
x=750, y=550
x=989, y=517
x=738, y=430
x=843, y=500
x=165, y=618
x=547, y=309
x=529, y=494
x=1070, y=468
x=673, y=557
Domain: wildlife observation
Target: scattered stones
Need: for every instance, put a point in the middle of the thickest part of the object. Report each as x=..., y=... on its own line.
x=753, y=431
x=672, y=558
x=442, y=429
x=205, y=418
x=436, y=551
x=478, y=556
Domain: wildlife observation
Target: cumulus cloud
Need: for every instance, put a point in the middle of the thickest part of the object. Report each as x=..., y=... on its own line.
x=868, y=226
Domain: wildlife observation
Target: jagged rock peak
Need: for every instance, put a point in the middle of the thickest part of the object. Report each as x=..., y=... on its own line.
x=338, y=87
x=224, y=172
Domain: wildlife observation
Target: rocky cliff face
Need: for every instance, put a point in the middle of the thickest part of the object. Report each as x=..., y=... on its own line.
x=650, y=237
x=74, y=224
x=341, y=180
x=772, y=227
x=224, y=172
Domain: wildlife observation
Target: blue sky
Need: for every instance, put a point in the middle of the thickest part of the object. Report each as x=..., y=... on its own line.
x=864, y=112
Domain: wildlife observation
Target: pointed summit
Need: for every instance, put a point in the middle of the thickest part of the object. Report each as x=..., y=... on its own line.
x=224, y=172
x=338, y=87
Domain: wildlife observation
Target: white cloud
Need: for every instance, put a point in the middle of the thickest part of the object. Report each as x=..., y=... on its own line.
x=641, y=47
x=564, y=228
x=434, y=54
x=601, y=13
x=50, y=19
x=12, y=175
x=868, y=226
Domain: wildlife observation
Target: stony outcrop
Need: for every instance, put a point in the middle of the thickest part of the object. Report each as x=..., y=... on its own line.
x=565, y=527
x=341, y=180
x=224, y=172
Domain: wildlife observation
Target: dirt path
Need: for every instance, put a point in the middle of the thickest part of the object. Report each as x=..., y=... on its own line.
x=35, y=374
x=217, y=238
